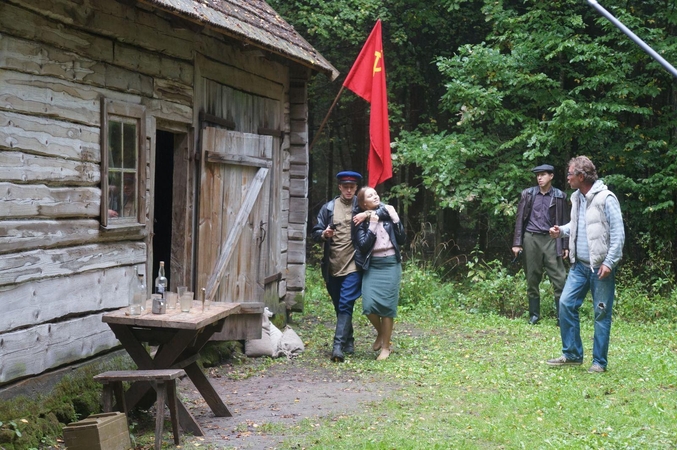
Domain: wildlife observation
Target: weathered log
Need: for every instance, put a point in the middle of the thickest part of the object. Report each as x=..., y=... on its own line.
x=45, y=300
x=18, y=201
x=20, y=167
x=40, y=264
x=49, y=137
x=37, y=349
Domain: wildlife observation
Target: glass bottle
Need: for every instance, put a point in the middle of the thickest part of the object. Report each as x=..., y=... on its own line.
x=161, y=280
x=138, y=300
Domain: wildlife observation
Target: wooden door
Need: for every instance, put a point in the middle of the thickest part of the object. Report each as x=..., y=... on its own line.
x=234, y=211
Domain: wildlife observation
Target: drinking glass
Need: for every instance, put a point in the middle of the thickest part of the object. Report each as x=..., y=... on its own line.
x=186, y=301
x=172, y=299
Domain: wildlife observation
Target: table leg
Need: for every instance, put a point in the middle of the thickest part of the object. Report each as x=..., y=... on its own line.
x=163, y=360
x=179, y=351
x=207, y=390
x=187, y=421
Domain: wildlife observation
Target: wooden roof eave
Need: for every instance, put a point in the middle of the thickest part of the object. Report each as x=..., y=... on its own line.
x=299, y=55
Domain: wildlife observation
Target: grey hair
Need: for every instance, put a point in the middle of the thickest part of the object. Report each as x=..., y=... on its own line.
x=582, y=164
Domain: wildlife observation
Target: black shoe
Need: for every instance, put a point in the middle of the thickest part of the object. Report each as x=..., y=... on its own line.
x=534, y=310
x=337, y=354
x=343, y=323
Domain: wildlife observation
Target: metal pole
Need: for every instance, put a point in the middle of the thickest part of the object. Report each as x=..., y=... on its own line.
x=634, y=37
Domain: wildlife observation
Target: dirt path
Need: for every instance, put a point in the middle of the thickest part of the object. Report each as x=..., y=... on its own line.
x=285, y=393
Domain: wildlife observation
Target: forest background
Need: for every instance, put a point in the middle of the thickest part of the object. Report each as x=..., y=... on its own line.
x=482, y=91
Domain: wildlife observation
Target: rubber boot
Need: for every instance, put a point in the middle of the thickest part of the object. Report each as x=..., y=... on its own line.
x=340, y=337
x=349, y=346
x=534, y=310
x=557, y=309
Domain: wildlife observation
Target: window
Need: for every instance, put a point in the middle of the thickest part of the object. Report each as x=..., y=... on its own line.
x=123, y=164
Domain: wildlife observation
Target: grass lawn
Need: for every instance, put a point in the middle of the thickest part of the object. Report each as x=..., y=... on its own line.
x=480, y=381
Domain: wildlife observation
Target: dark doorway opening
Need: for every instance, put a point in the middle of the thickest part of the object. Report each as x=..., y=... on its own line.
x=162, y=223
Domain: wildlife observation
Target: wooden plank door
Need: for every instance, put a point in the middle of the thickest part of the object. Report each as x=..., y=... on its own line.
x=233, y=213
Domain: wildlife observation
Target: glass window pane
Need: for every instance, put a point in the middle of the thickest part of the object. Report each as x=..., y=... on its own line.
x=129, y=141
x=114, y=193
x=129, y=195
x=115, y=144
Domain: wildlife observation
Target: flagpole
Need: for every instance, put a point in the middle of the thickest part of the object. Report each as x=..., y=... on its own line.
x=651, y=52
x=324, y=122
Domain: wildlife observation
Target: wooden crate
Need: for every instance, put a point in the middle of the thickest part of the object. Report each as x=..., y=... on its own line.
x=107, y=431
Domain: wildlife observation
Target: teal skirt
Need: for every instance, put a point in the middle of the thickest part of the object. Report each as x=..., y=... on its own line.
x=381, y=287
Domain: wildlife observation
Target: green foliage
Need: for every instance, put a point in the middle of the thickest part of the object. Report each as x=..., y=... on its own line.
x=462, y=170
x=489, y=288
x=422, y=286
x=34, y=422
x=551, y=81
x=215, y=353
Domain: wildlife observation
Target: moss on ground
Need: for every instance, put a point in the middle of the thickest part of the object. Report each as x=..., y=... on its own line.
x=32, y=423
x=29, y=423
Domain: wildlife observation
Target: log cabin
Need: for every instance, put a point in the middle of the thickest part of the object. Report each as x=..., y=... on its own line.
x=140, y=131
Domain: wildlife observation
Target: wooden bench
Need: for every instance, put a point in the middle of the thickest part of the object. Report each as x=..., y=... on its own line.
x=164, y=383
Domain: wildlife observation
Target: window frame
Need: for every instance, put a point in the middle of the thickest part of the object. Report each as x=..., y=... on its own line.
x=110, y=108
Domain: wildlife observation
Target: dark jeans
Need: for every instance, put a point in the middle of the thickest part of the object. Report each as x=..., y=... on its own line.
x=344, y=291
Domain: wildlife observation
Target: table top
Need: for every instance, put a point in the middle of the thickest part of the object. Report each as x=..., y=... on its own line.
x=195, y=319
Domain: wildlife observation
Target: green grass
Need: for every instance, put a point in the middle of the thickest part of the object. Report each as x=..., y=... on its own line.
x=462, y=380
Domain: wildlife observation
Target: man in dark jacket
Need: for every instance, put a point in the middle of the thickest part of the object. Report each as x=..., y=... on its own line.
x=341, y=274
x=540, y=208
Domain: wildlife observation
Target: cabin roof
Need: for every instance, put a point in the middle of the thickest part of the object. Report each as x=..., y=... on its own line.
x=252, y=21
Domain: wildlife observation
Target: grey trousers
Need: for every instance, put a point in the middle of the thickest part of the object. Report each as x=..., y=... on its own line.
x=540, y=255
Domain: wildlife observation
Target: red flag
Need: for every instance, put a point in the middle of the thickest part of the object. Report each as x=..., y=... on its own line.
x=367, y=78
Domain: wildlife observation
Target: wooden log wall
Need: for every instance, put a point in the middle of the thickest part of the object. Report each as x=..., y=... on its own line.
x=298, y=167
x=59, y=270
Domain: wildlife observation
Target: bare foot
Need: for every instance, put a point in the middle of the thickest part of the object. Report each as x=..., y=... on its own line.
x=385, y=352
x=377, y=344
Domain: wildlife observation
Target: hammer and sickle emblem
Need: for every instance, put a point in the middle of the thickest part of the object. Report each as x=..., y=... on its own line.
x=377, y=58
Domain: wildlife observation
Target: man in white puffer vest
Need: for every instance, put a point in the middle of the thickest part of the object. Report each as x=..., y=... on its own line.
x=596, y=238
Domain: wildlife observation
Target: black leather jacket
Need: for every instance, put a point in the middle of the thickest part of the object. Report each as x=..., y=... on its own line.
x=324, y=218
x=364, y=239
x=559, y=215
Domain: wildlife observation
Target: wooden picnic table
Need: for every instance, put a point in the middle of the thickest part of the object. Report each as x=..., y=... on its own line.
x=179, y=336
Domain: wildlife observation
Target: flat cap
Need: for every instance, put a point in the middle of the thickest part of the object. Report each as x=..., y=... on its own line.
x=348, y=176
x=543, y=168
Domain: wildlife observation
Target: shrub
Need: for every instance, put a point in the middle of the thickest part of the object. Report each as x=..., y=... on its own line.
x=489, y=288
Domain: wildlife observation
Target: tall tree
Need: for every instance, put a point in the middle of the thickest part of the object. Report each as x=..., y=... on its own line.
x=414, y=34
x=553, y=80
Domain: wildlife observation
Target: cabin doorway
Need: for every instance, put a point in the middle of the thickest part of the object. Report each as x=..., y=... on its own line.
x=172, y=209
x=162, y=206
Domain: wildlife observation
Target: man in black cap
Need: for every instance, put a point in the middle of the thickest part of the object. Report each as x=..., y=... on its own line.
x=341, y=274
x=540, y=208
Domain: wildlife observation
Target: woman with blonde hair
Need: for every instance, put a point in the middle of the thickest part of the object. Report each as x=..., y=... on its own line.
x=378, y=235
